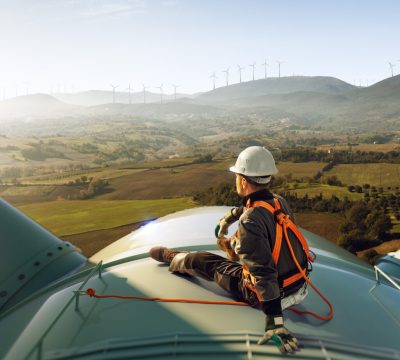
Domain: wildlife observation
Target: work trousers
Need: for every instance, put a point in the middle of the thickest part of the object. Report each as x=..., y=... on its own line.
x=227, y=274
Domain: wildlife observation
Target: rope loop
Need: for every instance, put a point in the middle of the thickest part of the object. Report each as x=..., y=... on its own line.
x=91, y=292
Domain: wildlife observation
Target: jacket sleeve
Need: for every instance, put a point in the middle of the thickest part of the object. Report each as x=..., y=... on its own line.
x=251, y=243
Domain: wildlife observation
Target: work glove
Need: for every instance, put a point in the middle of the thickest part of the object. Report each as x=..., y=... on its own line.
x=230, y=217
x=275, y=331
x=225, y=245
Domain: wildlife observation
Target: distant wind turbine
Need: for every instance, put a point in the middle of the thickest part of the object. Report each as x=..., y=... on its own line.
x=240, y=73
x=253, y=65
x=265, y=64
x=227, y=76
x=391, y=65
x=213, y=76
x=144, y=93
x=129, y=88
x=175, y=87
x=113, y=89
x=161, y=91
x=279, y=67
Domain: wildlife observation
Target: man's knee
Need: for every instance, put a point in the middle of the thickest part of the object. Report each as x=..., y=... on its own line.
x=203, y=263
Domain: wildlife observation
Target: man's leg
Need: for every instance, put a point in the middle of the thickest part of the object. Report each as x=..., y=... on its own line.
x=208, y=266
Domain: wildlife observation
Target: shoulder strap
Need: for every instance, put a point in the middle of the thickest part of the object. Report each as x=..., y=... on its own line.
x=279, y=231
x=283, y=222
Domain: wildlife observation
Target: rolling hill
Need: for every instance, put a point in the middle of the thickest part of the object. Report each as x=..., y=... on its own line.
x=314, y=102
x=166, y=110
x=273, y=86
x=34, y=106
x=100, y=97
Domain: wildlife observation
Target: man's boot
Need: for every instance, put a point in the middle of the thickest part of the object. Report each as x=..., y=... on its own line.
x=163, y=254
x=175, y=259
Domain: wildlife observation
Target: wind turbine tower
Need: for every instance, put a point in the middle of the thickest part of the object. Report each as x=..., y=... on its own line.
x=144, y=93
x=391, y=65
x=129, y=88
x=279, y=68
x=175, y=87
x=265, y=64
x=240, y=73
x=227, y=76
x=114, y=87
x=213, y=76
x=253, y=65
x=161, y=92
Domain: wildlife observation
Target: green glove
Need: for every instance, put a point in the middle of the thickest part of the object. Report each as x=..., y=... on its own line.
x=281, y=336
x=230, y=217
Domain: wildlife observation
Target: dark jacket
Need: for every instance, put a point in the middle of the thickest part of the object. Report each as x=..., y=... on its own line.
x=254, y=242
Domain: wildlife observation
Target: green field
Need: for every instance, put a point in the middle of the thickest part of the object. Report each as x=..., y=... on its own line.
x=378, y=174
x=107, y=173
x=71, y=217
x=299, y=170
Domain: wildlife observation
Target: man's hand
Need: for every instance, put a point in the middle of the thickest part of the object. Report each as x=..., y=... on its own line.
x=222, y=228
x=281, y=337
x=275, y=331
x=225, y=245
x=230, y=217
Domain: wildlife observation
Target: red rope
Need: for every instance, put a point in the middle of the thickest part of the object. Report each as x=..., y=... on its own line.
x=320, y=317
x=92, y=293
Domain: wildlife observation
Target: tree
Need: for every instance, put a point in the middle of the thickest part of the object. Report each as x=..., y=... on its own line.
x=358, y=189
x=365, y=225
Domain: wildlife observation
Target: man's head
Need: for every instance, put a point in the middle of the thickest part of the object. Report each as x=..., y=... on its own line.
x=254, y=167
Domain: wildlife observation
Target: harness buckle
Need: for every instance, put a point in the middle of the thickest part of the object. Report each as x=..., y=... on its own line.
x=281, y=218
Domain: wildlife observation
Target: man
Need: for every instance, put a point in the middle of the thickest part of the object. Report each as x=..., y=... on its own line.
x=268, y=278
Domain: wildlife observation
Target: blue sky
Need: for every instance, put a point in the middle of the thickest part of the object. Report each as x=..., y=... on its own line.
x=57, y=45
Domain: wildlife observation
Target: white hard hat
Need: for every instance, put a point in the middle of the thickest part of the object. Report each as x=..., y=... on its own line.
x=255, y=162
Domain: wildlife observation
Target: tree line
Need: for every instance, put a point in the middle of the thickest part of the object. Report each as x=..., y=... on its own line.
x=339, y=156
x=366, y=223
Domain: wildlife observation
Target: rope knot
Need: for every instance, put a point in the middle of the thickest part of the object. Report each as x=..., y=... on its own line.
x=91, y=292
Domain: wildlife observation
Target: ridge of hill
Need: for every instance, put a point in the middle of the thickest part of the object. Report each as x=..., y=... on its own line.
x=385, y=90
x=273, y=86
x=34, y=106
x=169, y=109
x=101, y=97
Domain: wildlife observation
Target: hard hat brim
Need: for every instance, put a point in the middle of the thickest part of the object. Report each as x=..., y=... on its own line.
x=240, y=171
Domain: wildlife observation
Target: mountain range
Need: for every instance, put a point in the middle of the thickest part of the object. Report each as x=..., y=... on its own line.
x=318, y=101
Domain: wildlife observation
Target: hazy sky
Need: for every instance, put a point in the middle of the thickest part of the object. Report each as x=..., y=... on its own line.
x=57, y=45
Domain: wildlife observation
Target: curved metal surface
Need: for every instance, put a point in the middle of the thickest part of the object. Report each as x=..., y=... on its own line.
x=31, y=257
x=367, y=315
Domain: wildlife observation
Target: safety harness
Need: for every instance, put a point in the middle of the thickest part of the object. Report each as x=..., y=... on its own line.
x=283, y=224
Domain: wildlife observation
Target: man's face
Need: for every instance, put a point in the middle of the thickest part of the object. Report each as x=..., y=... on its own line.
x=239, y=185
